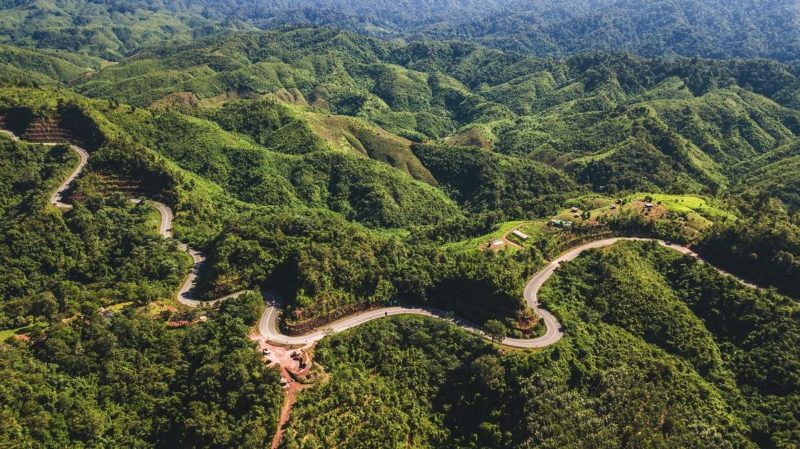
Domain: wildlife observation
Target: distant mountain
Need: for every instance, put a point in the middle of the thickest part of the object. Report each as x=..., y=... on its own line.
x=706, y=28
x=610, y=122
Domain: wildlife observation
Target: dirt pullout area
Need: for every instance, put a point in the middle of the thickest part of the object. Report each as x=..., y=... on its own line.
x=294, y=365
x=509, y=242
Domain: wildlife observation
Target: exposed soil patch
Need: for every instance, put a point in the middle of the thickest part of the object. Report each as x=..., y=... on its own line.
x=294, y=366
x=511, y=242
x=655, y=211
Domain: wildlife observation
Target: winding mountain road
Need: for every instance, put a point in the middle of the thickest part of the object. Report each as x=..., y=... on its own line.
x=165, y=226
x=57, y=199
x=268, y=324
x=185, y=294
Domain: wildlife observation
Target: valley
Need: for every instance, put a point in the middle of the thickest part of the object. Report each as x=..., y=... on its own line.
x=270, y=332
x=350, y=224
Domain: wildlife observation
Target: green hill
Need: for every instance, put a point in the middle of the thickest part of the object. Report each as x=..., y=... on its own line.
x=339, y=172
x=612, y=122
x=706, y=28
x=656, y=343
x=298, y=169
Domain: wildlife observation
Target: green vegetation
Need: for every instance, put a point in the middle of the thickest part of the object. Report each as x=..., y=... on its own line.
x=706, y=28
x=726, y=333
x=324, y=265
x=345, y=172
x=657, y=345
x=24, y=67
x=104, y=251
x=428, y=385
x=484, y=181
x=254, y=243
x=678, y=218
x=130, y=381
x=296, y=170
x=614, y=123
x=765, y=247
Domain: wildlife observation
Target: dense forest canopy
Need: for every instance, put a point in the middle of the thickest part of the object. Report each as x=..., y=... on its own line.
x=320, y=159
x=706, y=28
x=612, y=122
x=658, y=345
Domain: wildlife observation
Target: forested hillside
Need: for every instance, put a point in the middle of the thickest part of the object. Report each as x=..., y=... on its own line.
x=611, y=122
x=705, y=28
x=658, y=345
x=419, y=143
x=257, y=210
x=129, y=381
x=219, y=187
x=52, y=265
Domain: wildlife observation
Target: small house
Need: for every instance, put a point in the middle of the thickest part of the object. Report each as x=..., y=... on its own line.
x=574, y=209
x=648, y=205
x=521, y=235
x=497, y=243
x=563, y=224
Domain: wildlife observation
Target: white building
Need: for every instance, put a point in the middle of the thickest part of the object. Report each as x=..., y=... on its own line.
x=520, y=234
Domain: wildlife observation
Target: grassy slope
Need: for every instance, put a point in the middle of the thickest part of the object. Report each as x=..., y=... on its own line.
x=615, y=123
x=695, y=214
x=50, y=65
x=369, y=140
x=358, y=188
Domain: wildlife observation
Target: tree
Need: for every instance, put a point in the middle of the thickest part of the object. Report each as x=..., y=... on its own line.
x=496, y=330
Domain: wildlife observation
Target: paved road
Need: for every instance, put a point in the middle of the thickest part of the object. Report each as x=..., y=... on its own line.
x=268, y=325
x=165, y=227
x=58, y=197
x=185, y=294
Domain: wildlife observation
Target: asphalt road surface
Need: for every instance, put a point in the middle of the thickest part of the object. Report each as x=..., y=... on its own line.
x=268, y=325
